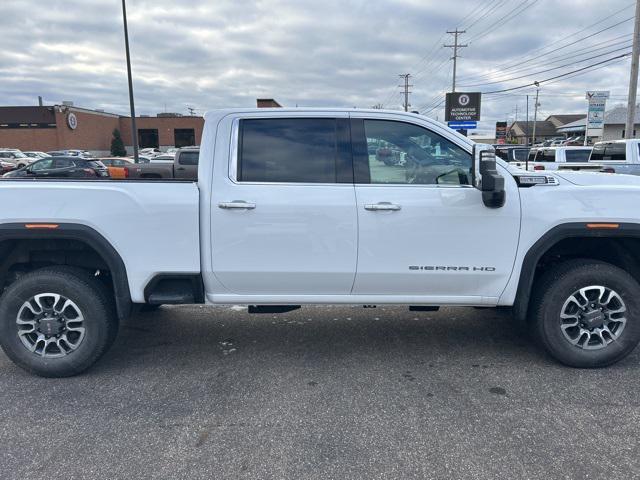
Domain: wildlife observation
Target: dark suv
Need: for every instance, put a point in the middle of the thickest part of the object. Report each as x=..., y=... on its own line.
x=62, y=167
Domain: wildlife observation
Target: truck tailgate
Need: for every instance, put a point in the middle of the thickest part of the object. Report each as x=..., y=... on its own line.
x=154, y=226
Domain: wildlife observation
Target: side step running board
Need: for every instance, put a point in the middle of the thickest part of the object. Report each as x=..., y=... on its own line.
x=272, y=308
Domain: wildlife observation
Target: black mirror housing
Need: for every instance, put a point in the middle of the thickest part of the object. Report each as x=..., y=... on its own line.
x=487, y=178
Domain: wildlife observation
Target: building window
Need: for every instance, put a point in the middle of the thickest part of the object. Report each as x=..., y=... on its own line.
x=184, y=137
x=148, y=138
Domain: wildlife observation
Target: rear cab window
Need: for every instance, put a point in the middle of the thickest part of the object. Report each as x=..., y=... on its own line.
x=577, y=156
x=294, y=150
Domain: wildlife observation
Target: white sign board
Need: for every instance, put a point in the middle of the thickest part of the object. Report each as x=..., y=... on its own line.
x=595, y=116
x=597, y=95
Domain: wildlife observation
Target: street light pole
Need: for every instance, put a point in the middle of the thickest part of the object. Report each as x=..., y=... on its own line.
x=134, y=130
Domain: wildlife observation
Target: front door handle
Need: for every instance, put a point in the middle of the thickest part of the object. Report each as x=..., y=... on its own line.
x=237, y=204
x=382, y=206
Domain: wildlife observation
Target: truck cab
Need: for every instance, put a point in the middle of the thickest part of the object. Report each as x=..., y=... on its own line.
x=560, y=158
x=623, y=156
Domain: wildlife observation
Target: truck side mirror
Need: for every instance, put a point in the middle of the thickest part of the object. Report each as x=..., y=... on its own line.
x=486, y=177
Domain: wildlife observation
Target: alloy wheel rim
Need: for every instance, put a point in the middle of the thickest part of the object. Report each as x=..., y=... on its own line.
x=593, y=317
x=50, y=325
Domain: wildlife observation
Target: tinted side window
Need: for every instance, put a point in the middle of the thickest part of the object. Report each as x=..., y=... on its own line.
x=63, y=163
x=403, y=153
x=188, y=158
x=520, y=154
x=577, y=156
x=598, y=152
x=293, y=150
x=616, y=151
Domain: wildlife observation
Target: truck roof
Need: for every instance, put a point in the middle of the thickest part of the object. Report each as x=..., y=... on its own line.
x=214, y=116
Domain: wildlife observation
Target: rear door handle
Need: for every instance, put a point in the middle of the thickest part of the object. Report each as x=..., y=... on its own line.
x=382, y=206
x=237, y=204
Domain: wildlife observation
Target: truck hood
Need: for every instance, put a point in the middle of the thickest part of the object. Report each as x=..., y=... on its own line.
x=587, y=179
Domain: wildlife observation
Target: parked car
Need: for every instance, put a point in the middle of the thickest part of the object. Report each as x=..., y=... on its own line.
x=622, y=156
x=561, y=158
x=36, y=155
x=16, y=157
x=119, y=167
x=61, y=167
x=6, y=167
x=183, y=166
x=70, y=153
x=149, y=152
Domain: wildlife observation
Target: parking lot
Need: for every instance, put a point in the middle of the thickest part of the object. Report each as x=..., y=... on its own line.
x=326, y=393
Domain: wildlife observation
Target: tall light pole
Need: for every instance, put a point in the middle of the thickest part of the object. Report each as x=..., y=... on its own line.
x=633, y=82
x=535, y=114
x=134, y=130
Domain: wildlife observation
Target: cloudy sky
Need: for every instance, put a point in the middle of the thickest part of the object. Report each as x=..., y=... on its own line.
x=210, y=54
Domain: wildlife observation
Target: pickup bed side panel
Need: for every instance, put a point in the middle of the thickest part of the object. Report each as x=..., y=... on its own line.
x=152, y=225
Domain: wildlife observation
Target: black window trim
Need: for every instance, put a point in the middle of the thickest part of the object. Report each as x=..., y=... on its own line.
x=344, y=157
x=361, y=170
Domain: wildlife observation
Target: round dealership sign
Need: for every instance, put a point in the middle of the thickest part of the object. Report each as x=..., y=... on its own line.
x=72, y=121
x=464, y=100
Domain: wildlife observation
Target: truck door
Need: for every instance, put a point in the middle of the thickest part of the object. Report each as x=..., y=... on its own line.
x=283, y=210
x=424, y=231
x=186, y=165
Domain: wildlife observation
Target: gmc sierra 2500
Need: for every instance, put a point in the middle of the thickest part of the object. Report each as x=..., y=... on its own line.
x=291, y=207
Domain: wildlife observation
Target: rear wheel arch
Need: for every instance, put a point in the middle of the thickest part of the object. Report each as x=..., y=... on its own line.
x=16, y=234
x=619, y=246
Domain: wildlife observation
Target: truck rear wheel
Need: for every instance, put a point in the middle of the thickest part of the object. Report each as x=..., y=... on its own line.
x=586, y=313
x=56, y=321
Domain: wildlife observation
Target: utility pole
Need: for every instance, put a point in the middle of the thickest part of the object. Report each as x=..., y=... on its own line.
x=134, y=130
x=633, y=82
x=455, y=47
x=535, y=115
x=527, y=121
x=406, y=87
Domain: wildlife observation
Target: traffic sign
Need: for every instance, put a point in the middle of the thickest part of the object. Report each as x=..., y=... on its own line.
x=463, y=125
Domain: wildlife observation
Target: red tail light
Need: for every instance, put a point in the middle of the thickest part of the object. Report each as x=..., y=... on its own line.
x=538, y=167
x=126, y=172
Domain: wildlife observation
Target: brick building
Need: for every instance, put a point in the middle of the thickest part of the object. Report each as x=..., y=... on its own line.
x=61, y=127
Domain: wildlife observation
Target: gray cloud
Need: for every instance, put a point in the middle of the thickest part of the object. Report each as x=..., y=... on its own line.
x=225, y=53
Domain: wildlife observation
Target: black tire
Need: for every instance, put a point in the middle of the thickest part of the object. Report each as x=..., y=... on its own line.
x=89, y=295
x=555, y=288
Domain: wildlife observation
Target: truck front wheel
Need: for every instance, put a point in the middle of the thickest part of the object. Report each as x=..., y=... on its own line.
x=586, y=313
x=56, y=321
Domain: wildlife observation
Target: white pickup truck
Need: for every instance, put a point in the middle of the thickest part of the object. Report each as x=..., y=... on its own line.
x=560, y=158
x=620, y=156
x=292, y=207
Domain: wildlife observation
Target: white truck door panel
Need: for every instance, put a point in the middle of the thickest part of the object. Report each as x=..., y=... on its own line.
x=434, y=240
x=288, y=238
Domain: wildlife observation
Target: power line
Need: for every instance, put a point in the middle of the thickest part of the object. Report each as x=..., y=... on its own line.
x=567, y=45
x=572, y=54
x=492, y=7
x=546, y=70
x=519, y=9
x=560, y=76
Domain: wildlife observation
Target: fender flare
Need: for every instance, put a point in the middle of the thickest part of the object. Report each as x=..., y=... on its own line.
x=552, y=238
x=85, y=234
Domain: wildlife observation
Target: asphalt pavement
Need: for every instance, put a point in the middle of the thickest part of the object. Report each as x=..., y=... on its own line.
x=322, y=393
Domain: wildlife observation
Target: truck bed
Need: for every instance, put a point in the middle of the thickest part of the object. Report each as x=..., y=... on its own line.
x=132, y=215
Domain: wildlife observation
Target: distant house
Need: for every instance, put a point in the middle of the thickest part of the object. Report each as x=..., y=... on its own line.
x=545, y=129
